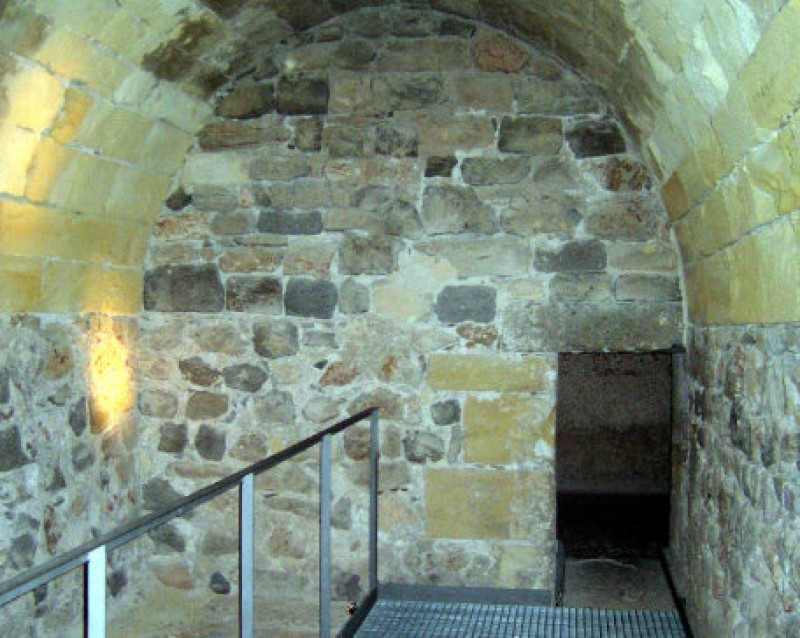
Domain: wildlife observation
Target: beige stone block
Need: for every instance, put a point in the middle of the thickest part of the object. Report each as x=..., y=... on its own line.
x=489, y=504
x=446, y=133
x=675, y=198
x=167, y=101
x=33, y=231
x=117, y=133
x=20, y=284
x=78, y=287
x=164, y=150
x=33, y=97
x=520, y=565
x=649, y=256
x=216, y=168
x=509, y=429
x=525, y=290
x=774, y=168
x=77, y=105
x=490, y=373
x=137, y=195
x=14, y=166
x=501, y=256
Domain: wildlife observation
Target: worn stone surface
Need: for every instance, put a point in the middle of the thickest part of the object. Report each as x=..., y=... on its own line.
x=275, y=339
x=531, y=135
x=508, y=170
x=254, y=294
x=370, y=255
x=247, y=101
x=183, y=289
x=454, y=209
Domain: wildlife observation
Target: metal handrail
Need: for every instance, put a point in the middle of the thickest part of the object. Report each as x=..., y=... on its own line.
x=93, y=553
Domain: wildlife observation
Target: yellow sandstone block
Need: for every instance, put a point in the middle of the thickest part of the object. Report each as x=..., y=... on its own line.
x=490, y=373
x=137, y=196
x=514, y=428
x=33, y=231
x=489, y=504
x=79, y=287
x=33, y=97
x=20, y=284
x=77, y=105
x=14, y=166
x=165, y=148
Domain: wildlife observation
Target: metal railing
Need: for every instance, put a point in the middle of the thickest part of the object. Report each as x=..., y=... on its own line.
x=92, y=555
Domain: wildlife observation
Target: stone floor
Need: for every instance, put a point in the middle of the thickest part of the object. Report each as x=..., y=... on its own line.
x=604, y=583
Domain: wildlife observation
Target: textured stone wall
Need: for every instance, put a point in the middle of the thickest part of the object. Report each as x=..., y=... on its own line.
x=736, y=529
x=362, y=225
x=67, y=467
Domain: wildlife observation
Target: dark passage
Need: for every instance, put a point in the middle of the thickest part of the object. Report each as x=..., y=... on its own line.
x=613, y=454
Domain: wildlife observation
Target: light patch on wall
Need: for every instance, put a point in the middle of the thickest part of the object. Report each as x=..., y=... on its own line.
x=111, y=390
x=34, y=98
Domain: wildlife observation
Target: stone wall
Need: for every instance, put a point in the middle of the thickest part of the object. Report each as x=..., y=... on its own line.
x=736, y=529
x=67, y=456
x=363, y=225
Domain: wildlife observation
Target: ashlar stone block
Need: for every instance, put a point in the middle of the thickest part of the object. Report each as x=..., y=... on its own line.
x=489, y=373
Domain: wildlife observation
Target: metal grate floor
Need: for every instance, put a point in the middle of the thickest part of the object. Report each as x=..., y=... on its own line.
x=410, y=619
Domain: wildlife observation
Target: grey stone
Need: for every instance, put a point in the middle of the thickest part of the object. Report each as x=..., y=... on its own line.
x=279, y=167
x=22, y=551
x=179, y=199
x=572, y=256
x=57, y=480
x=356, y=443
x=157, y=493
x=284, y=223
x=392, y=216
x=219, y=584
x=477, y=257
x=254, y=294
x=430, y=54
x=302, y=96
x=210, y=443
x=581, y=287
x=183, y=289
x=5, y=392
x=353, y=54
x=454, y=26
x=342, y=514
x=310, y=298
x=455, y=209
x=508, y=170
x=436, y=166
x=456, y=304
x=396, y=139
x=82, y=457
x=275, y=407
x=206, y=405
x=158, y=403
x=308, y=134
x=173, y=438
x=11, y=454
x=198, y=372
x=167, y=539
x=247, y=101
x=421, y=447
x=591, y=138
x=275, y=339
x=456, y=444
x=353, y=297
x=352, y=140
x=446, y=412
x=245, y=377
x=559, y=96
x=401, y=92
x=530, y=327
x=219, y=543
x=214, y=197
x=347, y=587
x=367, y=255
x=117, y=581
x=235, y=223
x=532, y=135
x=77, y=417
x=635, y=217
x=319, y=339
x=647, y=288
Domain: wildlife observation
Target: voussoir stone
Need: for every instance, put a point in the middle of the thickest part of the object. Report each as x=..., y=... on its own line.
x=184, y=289
x=275, y=339
x=310, y=298
x=456, y=304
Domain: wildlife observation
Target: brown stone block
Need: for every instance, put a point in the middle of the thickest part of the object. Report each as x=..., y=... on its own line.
x=490, y=373
x=509, y=429
x=423, y=55
x=488, y=504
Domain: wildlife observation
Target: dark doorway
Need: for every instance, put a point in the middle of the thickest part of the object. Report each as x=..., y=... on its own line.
x=613, y=454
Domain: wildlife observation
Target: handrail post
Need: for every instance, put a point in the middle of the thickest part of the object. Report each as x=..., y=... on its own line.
x=246, y=562
x=325, y=538
x=96, y=593
x=374, y=447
